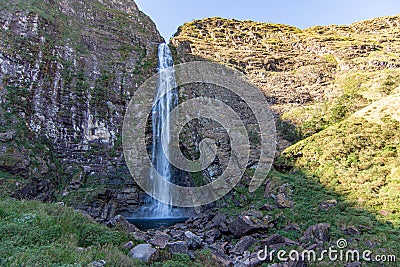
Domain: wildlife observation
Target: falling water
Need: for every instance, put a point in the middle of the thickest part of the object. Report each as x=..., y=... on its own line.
x=161, y=108
x=153, y=213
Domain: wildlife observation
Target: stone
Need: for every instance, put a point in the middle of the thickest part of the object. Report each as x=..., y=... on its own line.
x=350, y=230
x=268, y=207
x=77, y=181
x=7, y=136
x=212, y=235
x=297, y=263
x=251, y=261
x=120, y=222
x=221, y=258
x=179, y=247
x=176, y=233
x=160, y=239
x=244, y=244
x=273, y=239
x=140, y=236
x=253, y=213
x=317, y=232
x=282, y=202
x=144, y=252
x=286, y=190
x=193, y=240
x=243, y=225
x=99, y=263
x=354, y=264
x=129, y=245
x=328, y=204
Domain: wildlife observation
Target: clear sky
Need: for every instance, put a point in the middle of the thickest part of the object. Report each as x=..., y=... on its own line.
x=170, y=14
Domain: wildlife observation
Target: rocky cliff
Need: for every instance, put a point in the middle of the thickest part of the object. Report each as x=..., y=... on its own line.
x=68, y=69
x=312, y=77
x=315, y=80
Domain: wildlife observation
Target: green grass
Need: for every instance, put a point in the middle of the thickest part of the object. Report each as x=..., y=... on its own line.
x=308, y=193
x=355, y=158
x=42, y=234
x=38, y=234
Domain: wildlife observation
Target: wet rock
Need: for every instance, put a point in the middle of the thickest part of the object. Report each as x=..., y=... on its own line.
x=160, y=239
x=144, y=252
x=193, y=241
x=328, y=204
x=317, y=232
x=179, y=247
x=243, y=244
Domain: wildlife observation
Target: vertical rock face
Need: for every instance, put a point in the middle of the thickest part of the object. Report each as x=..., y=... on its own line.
x=67, y=70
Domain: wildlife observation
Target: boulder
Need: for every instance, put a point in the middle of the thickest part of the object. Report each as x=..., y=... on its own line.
x=327, y=204
x=243, y=244
x=317, y=232
x=212, y=235
x=180, y=247
x=243, y=225
x=283, y=202
x=193, y=240
x=273, y=239
x=160, y=239
x=221, y=258
x=120, y=222
x=144, y=252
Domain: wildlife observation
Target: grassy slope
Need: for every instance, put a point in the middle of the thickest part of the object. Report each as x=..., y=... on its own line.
x=39, y=234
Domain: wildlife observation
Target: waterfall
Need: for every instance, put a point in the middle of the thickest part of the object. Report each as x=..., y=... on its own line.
x=161, y=108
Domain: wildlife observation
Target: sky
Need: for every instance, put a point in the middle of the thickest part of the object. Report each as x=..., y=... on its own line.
x=169, y=15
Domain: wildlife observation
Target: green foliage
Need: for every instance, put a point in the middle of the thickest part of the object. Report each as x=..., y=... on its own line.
x=356, y=158
x=38, y=234
x=288, y=130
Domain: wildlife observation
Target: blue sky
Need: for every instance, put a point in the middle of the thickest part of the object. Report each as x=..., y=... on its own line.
x=169, y=15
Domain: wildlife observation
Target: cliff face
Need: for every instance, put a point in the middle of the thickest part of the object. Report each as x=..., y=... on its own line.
x=308, y=76
x=335, y=87
x=68, y=69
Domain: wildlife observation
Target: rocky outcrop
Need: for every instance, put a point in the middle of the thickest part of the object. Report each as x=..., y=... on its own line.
x=67, y=70
x=301, y=71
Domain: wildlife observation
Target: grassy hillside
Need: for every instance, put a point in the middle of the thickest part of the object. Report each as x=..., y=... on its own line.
x=38, y=234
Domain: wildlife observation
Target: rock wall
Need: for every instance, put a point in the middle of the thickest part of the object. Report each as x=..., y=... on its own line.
x=68, y=69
